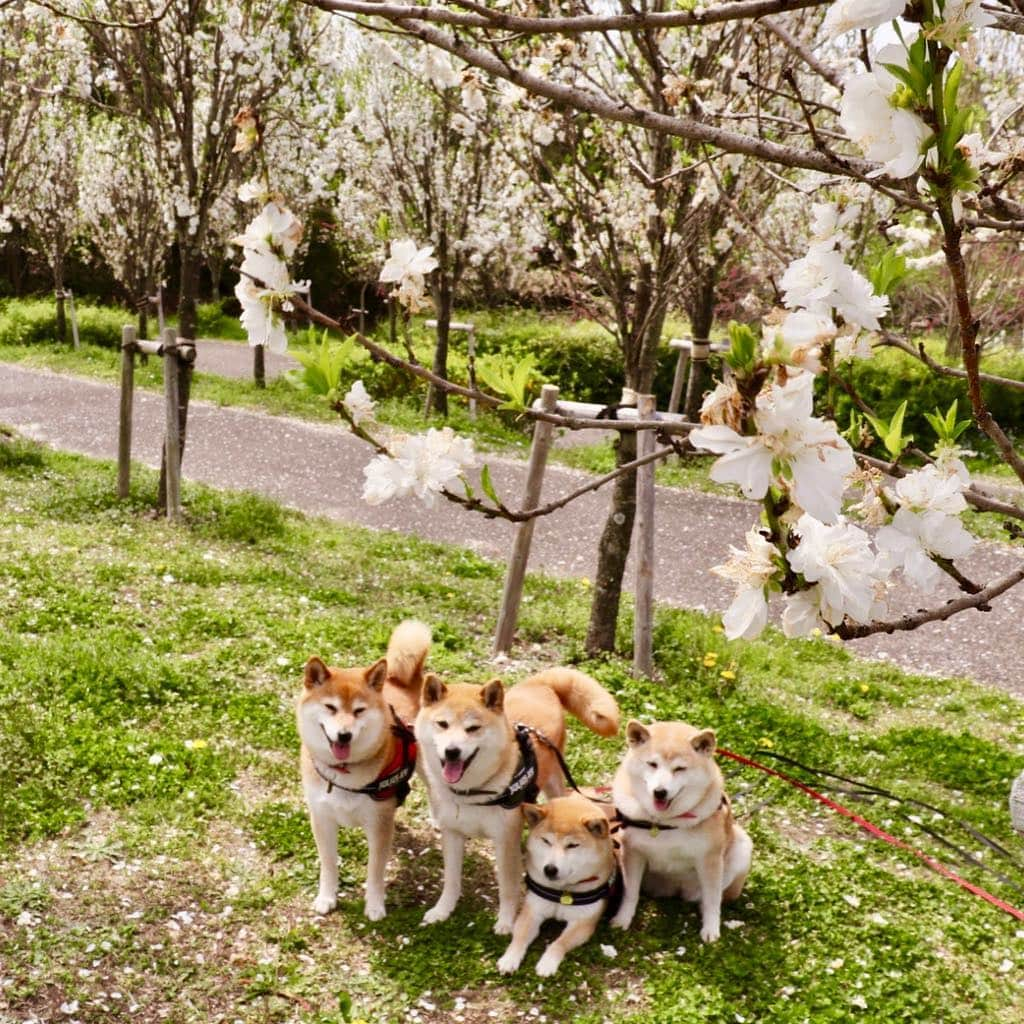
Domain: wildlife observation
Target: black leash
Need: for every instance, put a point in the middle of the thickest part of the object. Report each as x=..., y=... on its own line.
x=868, y=790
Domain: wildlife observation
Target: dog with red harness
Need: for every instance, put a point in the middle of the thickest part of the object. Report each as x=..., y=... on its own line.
x=358, y=754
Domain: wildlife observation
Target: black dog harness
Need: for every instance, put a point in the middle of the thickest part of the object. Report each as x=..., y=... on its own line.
x=610, y=891
x=654, y=827
x=393, y=780
x=522, y=788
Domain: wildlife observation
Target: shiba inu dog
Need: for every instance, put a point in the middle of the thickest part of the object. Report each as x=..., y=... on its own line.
x=481, y=762
x=571, y=876
x=677, y=832
x=358, y=754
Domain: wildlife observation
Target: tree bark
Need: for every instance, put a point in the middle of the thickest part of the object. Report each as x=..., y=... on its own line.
x=184, y=392
x=700, y=307
x=612, y=552
x=259, y=366
x=436, y=399
x=188, y=293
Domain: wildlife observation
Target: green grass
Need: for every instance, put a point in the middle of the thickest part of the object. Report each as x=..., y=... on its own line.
x=153, y=842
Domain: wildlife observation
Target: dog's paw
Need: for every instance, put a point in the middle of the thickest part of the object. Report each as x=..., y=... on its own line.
x=374, y=910
x=548, y=964
x=324, y=904
x=510, y=962
x=436, y=914
x=622, y=921
x=503, y=926
x=710, y=933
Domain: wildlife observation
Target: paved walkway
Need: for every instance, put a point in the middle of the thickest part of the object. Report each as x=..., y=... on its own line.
x=318, y=469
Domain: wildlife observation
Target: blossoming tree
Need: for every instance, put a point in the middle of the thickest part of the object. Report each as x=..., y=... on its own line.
x=902, y=109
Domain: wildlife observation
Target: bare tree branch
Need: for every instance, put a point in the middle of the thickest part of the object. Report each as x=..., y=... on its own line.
x=849, y=631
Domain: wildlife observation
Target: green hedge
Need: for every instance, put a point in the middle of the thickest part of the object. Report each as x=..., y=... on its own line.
x=888, y=378
x=34, y=322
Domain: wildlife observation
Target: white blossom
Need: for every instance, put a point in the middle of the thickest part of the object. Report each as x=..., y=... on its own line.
x=892, y=135
x=810, y=451
x=847, y=15
x=751, y=571
x=839, y=558
x=418, y=464
x=359, y=404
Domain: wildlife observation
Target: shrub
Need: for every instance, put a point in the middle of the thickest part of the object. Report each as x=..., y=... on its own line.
x=888, y=378
x=34, y=321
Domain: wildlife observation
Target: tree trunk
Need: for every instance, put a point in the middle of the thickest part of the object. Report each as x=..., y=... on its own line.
x=612, y=552
x=700, y=308
x=259, y=366
x=188, y=293
x=184, y=392
x=58, y=287
x=437, y=399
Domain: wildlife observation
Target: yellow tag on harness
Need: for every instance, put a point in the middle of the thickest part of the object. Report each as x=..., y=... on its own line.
x=566, y=899
x=655, y=830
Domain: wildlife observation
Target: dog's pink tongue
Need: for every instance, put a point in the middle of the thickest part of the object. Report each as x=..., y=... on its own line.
x=341, y=750
x=660, y=805
x=453, y=770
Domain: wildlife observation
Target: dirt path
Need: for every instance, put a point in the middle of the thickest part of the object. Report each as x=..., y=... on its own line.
x=319, y=469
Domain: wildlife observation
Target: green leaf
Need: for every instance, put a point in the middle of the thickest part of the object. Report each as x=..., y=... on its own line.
x=486, y=484
x=891, y=433
x=742, y=347
x=888, y=272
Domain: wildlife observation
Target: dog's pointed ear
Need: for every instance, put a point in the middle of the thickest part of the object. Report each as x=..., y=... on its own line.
x=377, y=674
x=493, y=695
x=433, y=688
x=597, y=826
x=704, y=742
x=316, y=674
x=534, y=815
x=637, y=733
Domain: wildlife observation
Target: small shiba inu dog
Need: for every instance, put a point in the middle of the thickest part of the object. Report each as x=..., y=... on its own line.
x=677, y=832
x=571, y=876
x=481, y=762
x=358, y=754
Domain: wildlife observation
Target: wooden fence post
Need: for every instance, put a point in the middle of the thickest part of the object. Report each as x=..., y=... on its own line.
x=74, y=318
x=513, y=592
x=643, y=660
x=172, y=451
x=682, y=346
x=124, y=430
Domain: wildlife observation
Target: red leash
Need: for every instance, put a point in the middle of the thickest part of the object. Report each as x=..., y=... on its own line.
x=879, y=833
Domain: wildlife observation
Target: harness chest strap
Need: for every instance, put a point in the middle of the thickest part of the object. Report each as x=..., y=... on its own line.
x=654, y=827
x=522, y=787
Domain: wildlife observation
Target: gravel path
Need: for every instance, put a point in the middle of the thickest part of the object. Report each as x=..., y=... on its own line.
x=318, y=469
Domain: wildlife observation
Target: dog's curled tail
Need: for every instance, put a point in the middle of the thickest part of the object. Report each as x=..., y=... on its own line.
x=581, y=696
x=407, y=651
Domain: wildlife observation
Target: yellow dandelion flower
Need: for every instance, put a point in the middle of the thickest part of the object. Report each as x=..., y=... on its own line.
x=864, y=688
x=764, y=741
x=728, y=674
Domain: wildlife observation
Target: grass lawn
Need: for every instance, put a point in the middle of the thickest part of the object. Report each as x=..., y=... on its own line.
x=156, y=863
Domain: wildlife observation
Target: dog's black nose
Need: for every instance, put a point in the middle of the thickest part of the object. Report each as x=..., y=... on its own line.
x=660, y=794
x=452, y=754
x=550, y=871
x=344, y=737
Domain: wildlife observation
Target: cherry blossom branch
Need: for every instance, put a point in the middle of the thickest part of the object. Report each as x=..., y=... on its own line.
x=980, y=499
x=980, y=600
x=804, y=53
x=919, y=353
x=969, y=346
x=479, y=16
x=63, y=12
x=501, y=511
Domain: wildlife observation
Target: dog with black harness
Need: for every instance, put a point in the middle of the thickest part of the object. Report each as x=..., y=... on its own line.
x=572, y=875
